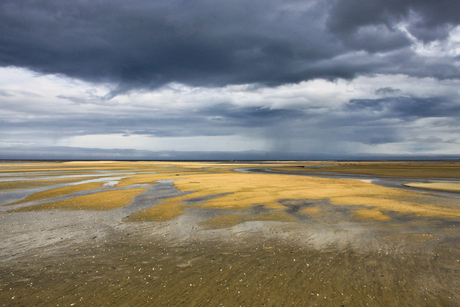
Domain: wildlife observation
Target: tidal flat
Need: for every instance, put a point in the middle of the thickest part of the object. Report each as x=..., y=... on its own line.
x=294, y=233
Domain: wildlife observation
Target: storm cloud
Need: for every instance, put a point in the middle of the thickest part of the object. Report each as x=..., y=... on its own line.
x=215, y=43
x=314, y=78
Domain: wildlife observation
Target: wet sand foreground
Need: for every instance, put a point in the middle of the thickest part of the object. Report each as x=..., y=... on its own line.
x=199, y=234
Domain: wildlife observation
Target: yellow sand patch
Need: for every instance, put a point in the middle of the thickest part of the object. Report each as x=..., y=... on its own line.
x=161, y=212
x=445, y=186
x=249, y=189
x=231, y=220
x=150, y=178
x=80, y=166
x=98, y=201
x=59, y=192
x=224, y=221
x=173, y=173
x=370, y=214
x=281, y=217
x=30, y=184
x=310, y=210
x=138, y=179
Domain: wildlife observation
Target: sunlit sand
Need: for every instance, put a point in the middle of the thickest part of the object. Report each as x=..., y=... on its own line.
x=445, y=186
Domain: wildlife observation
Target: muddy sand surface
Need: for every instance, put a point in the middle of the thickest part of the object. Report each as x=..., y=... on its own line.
x=202, y=234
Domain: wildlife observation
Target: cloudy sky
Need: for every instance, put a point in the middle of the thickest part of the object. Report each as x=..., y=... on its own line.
x=169, y=79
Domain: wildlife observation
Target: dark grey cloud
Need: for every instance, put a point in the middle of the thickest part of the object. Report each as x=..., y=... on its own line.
x=152, y=43
x=429, y=20
x=217, y=120
x=142, y=44
x=387, y=91
x=237, y=116
x=5, y=94
x=407, y=107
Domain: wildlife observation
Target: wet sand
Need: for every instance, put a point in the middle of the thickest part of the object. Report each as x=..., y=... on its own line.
x=200, y=234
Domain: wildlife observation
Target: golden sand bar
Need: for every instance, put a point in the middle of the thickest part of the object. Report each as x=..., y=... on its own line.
x=370, y=214
x=245, y=190
x=162, y=212
x=59, y=192
x=444, y=186
x=99, y=201
x=30, y=184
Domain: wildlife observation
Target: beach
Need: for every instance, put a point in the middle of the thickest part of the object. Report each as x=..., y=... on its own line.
x=230, y=233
